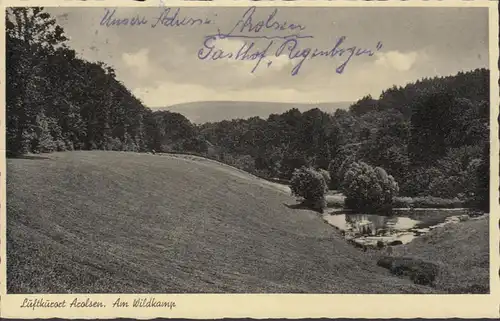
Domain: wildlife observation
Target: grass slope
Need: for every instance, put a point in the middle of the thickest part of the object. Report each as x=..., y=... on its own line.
x=80, y=222
x=462, y=252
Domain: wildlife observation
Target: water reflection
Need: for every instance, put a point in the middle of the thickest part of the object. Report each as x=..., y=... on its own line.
x=369, y=224
x=379, y=230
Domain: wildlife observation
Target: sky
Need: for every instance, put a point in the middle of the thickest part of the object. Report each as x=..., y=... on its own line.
x=161, y=66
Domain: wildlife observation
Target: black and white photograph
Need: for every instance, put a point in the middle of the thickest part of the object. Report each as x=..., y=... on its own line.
x=247, y=149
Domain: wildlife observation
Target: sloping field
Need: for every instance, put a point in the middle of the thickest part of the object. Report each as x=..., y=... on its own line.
x=135, y=223
x=462, y=252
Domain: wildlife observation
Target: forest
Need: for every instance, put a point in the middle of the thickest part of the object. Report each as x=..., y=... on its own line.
x=431, y=135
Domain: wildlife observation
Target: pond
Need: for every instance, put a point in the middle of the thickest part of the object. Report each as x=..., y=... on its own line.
x=402, y=227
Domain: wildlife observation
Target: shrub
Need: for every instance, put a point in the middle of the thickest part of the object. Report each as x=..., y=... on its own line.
x=368, y=188
x=113, y=143
x=427, y=202
x=309, y=184
x=44, y=144
x=419, y=271
x=69, y=145
x=60, y=145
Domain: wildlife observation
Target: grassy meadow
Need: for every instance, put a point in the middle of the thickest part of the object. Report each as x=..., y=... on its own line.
x=107, y=222
x=111, y=222
x=462, y=253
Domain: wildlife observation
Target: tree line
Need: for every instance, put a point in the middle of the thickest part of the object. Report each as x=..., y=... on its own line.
x=57, y=101
x=432, y=135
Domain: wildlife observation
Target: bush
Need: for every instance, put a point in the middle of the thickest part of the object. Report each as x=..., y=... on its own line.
x=69, y=145
x=309, y=184
x=427, y=202
x=113, y=143
x=369, y=188
x=419, y=271
x=60, y=145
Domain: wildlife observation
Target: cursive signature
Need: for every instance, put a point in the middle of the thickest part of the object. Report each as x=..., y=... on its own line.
x=109, y=19
x=249, y=27
x=289, y=47
x=169, y=17
x=172, y=18
x=283, y=39
x=247, y=52
x=276, y=38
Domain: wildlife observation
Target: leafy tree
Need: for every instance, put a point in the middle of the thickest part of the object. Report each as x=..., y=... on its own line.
x=31, y=35
x=431, y=123
x=455, y=172
x=442, y=121
x=43, y=140
x=310, y=185
x=417, y=182
x=364, y=105
x=34, y=27
x=339, y=166
x=290, y=162
x=369, y=188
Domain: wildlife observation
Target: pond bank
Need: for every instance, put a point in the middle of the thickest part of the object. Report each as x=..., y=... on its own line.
x=460, y=252
x=378, y=231
x=447, y=250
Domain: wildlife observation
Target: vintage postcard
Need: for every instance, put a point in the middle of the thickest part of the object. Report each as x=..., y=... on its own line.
x=249, y=159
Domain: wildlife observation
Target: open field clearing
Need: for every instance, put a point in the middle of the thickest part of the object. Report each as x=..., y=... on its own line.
x=84, y=222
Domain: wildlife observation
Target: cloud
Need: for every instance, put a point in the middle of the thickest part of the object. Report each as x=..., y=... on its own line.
x=171, y=72
x=140, y=62
x=319, y=85
x=397, y=60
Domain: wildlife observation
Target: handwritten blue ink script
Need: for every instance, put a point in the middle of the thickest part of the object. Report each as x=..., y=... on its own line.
x=259, y=40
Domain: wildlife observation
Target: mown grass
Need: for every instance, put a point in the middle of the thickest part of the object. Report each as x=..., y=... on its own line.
x=112, y=222
x=461, y=251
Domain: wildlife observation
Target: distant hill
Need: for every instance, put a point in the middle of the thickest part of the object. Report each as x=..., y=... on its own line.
x=213, y=111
